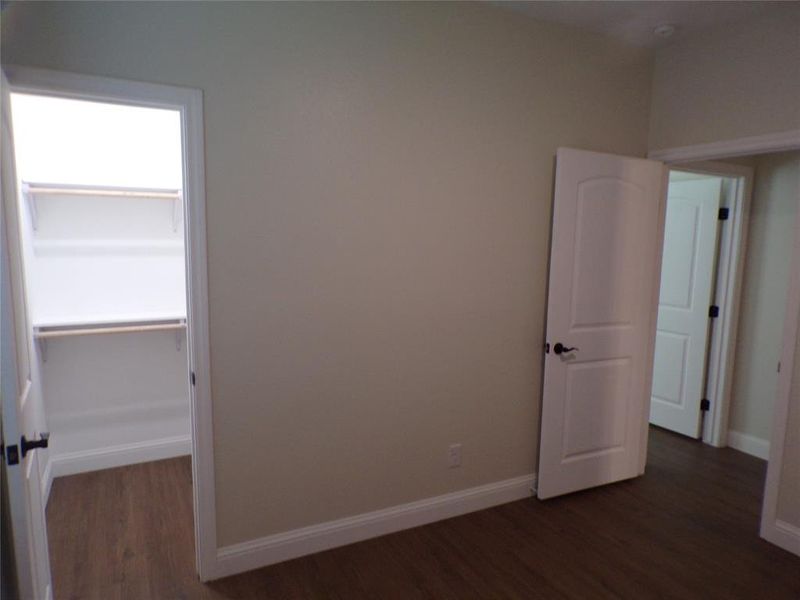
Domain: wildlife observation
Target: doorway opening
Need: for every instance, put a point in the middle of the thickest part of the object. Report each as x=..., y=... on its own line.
x=104, y=261
x=728, y=240
x=103, y=251
x=606, y=250
x=104, y=227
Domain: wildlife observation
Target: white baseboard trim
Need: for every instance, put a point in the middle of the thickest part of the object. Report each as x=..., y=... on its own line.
x=116, y=456
x=749, y=444
x=272, y=549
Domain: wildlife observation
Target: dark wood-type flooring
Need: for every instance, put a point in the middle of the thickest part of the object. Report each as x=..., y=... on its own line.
x=687, y=529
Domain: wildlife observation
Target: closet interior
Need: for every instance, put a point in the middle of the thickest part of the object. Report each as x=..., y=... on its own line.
x=101, y=214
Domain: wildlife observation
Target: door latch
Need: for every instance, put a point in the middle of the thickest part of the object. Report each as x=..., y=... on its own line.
x=560, y=348
x=11, y=454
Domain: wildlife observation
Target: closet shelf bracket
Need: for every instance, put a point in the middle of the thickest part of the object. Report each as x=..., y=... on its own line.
x=177, y=206
x=30, y=200
x=179, y=336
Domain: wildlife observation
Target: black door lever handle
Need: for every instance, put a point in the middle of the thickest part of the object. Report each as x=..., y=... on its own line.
x=560, y=348
x=28, y=445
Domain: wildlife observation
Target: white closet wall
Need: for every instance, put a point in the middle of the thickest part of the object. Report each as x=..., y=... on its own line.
x=98, y=259
x=112, y=391
x=104, y=258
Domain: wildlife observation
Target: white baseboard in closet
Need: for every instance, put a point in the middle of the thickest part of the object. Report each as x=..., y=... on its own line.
x=749, y=444
x=113, y=456
x=264, y=551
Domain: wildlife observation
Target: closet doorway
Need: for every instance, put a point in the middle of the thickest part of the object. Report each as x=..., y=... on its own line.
x=106, y=241
x=103, y=251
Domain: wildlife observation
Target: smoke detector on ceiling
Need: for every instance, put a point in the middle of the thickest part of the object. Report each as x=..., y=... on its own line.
x=664, y=30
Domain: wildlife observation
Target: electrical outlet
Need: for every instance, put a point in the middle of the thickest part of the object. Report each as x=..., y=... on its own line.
x=454, y=456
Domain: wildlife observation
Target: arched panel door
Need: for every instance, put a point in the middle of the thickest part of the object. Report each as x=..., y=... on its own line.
x=604, y=275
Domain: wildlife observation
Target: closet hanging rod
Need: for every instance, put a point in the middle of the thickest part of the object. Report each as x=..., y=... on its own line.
x=67, y=190
x=106, y=330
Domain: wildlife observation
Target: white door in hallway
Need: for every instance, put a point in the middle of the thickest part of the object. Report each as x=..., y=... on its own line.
x=687, y=282
x=606, y=243
x=21, y=404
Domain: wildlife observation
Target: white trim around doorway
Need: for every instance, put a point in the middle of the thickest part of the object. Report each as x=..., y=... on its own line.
x=189, y=102
x=781, y=141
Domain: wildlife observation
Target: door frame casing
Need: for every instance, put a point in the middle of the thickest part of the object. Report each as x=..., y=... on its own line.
x=772, y=529
x=189, y=103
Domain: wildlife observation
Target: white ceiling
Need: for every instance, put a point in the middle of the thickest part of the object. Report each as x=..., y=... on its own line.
x=633, y=22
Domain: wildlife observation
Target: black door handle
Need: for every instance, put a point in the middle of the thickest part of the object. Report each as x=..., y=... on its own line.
x=26, y=446
x=560, y=348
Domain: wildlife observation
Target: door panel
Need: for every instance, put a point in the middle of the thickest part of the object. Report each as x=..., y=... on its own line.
x=595, y=389
x=21, y=399
x=606, y=227
x=606, y=219
x=687, y=275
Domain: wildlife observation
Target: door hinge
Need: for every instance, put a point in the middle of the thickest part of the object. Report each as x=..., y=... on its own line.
x=705, y=404
x=713, y=311
x=11, y=454
x=724, y=213
x=192, y=377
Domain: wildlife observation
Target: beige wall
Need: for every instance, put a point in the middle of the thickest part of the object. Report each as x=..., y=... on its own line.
x=379, y=182
x=737, y=81
x=789, y=488
x=764, y=287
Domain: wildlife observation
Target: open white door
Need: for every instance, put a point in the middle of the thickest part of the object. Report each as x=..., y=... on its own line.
x=20, y=410
x=604, y=275
x=687, y=277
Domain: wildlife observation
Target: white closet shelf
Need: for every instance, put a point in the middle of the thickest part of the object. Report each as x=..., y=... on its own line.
x=108, y=319
x=128, y=248
x=103, y=244
x=32, y=189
